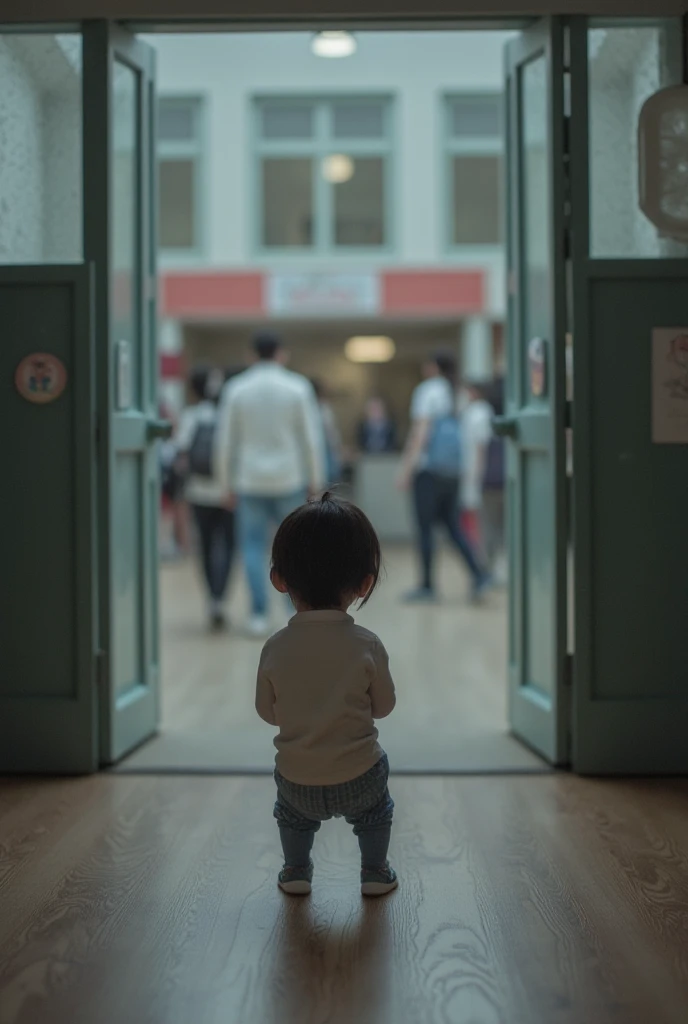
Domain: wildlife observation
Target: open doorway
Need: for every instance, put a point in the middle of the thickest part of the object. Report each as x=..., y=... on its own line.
x=355, y=207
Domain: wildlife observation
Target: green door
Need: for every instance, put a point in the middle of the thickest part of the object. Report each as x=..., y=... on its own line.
x=48, y=671
x=630, y=309
x=535, y=407
x=119, y=133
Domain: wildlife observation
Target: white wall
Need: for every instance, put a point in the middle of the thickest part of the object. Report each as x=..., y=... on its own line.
x=40, y=150
x=417, y=69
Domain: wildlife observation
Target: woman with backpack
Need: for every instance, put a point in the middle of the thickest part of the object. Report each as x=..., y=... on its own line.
x=431, y=466
x=204, y=491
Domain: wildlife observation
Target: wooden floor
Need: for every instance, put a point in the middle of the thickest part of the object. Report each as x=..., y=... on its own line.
x=523, y=900
x=449, y=665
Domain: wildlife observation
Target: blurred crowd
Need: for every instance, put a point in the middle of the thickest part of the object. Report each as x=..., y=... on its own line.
x=254, y=442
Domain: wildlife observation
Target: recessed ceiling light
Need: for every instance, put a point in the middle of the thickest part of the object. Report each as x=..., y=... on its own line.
x=338, y=168
x=370, y=349
x=333, y=44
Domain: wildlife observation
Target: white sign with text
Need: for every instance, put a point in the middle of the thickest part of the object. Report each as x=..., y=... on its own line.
x=670, y=385
x=317, y=294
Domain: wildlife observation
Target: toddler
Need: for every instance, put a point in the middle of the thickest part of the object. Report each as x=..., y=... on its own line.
x=323, y=680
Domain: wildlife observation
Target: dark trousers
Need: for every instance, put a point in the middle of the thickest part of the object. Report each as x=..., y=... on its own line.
x=436, y=500
x=216, y=534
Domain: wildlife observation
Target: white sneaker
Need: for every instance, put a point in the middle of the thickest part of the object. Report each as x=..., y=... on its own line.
x=258, y=626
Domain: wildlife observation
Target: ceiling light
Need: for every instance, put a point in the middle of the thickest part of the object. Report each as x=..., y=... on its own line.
x=338, y=168
x=333, y=44
x=373, y=349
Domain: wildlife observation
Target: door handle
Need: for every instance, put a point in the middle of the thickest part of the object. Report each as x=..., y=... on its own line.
x=159, y=430
x=506, y=426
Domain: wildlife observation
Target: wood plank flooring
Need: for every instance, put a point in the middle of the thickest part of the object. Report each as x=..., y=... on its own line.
x=523, y=900
x=449, y=664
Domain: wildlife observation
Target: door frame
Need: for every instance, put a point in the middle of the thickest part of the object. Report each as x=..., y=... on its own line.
x=103, y=42
x=540, y=723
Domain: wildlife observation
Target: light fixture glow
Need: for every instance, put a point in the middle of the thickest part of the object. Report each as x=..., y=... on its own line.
x=338, y=168
x=333, y=44
x=370, y=349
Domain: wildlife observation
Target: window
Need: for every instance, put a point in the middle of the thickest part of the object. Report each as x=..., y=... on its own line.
x=179, y=174
x=323, y=168
x=474, y=157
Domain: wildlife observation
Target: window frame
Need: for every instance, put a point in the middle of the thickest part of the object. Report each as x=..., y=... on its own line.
x=321, y=144
x=469, y=145
x=196, y=151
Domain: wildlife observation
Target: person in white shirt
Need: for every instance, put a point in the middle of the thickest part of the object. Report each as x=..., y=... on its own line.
x=476, y=431
x=204, y=491
x=270, y=455
x=436, y=494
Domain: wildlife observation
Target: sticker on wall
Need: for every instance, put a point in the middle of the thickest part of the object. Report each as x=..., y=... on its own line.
x=41, y=378
x=537, y=364
x=670, y=385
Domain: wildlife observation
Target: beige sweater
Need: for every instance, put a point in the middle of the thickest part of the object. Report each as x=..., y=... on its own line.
x=323, y=680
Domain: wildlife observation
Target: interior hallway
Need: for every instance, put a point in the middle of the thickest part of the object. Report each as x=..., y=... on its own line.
x=522, y=900
x=448, y=661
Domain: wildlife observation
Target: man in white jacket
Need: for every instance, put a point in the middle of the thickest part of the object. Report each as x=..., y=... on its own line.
x=270, y=454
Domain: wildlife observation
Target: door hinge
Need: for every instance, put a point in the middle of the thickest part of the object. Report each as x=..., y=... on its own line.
x=568, y=670
x=568, y=415
x=102, y=670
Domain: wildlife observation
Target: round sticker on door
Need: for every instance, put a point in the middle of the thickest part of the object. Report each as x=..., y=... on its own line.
x=538, y=367
x=40, y=378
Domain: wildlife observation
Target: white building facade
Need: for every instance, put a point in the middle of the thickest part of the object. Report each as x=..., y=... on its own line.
x=331, y=197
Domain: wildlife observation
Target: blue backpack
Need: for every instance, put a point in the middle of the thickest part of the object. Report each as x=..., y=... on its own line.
x=444, y=454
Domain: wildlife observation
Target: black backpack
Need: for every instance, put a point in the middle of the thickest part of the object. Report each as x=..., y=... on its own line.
x=201, y=450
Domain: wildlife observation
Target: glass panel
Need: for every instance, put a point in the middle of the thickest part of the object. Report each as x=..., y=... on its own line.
x=40, y=149
x=358, y=120
x=288, y=201
x=535, y=205
x=538, y=546
x=626, y=66
x=128, y=615
x=359, y=204
x=477, y=199
x=476, y=117
x=176, y=121
x=287, y=121
x=123, y=213
x=176, y=189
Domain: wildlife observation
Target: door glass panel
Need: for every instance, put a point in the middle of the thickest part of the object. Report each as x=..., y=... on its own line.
x=125, y=201
x=626, y=66
x=538, y=570
x=128, y=618
x=40, y=149
x=536, y=204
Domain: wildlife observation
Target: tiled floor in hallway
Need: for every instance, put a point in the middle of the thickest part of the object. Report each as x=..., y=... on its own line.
x=449, y=665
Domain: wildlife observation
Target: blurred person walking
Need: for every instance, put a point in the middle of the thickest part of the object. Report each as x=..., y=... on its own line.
x=197, y=439
x=334, y=449
x=493, y=519
x=432, y=465
x=377, y=433
x=476, y=433
x=270, y=455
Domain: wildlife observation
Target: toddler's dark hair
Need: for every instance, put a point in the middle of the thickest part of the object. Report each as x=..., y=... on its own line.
x=325, y=550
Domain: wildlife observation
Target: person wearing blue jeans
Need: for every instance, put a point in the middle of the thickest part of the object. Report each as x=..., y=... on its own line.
x=270, y=454
x=258, y=516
